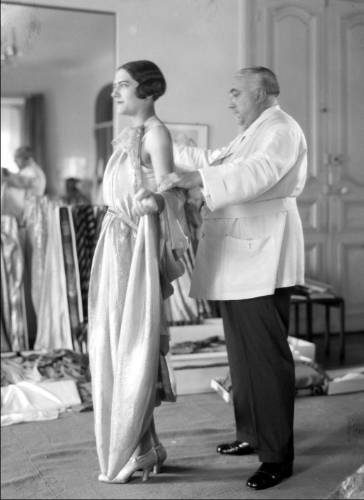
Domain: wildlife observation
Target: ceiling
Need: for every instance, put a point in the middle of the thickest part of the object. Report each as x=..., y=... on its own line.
x=58, y=38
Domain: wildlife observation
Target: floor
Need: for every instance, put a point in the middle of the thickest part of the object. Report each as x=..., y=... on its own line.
x=57, y=459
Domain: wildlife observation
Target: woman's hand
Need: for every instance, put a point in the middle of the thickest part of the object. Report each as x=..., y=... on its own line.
x=145, y=203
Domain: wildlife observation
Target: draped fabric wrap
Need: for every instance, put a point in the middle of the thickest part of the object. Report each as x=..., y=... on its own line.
x=179, y=307
x=125, y=365
x=60, y=243
x=70, y=260
x=12, y=269
x=36, y=223
x=85, y=223
x=54, y=329
x=126, y=318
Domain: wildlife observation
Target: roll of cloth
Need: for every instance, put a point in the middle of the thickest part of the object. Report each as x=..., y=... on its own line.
x=12, y=270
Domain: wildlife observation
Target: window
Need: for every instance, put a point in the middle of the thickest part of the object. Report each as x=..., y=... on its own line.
x=12, y=115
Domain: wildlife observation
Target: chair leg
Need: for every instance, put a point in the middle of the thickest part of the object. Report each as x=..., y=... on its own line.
x=297, y=320
x=327, y=330
x=309, y=321
x=342, y=329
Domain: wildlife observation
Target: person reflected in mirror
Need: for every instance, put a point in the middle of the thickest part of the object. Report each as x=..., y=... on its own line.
x=128, y=335
x=30, y=180
x=75, y=193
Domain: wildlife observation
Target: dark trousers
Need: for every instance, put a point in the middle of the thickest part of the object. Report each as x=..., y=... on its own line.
x=262, y=372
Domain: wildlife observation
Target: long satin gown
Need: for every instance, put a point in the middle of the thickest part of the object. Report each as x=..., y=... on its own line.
x=125, y=310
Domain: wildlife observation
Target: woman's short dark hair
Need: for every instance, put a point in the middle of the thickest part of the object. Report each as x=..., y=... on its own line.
x=150, y=78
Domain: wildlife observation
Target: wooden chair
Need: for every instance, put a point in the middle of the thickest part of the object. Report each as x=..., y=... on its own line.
x=300, y=297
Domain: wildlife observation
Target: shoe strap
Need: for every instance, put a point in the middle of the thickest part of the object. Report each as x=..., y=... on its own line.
x=142, y=457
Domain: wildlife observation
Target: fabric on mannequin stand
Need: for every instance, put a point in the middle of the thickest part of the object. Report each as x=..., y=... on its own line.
x=54, y=329
x=36, y=225
x=85, y=227
x=12, y=269
x=72, y=274
x=70, y=234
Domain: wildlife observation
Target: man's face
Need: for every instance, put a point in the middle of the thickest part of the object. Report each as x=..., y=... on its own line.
x=127, y=103
x=20, y=161
x=243, y=101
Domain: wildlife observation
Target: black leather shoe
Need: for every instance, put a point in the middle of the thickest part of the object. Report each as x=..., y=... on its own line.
x=235, y=448
x=269, y=475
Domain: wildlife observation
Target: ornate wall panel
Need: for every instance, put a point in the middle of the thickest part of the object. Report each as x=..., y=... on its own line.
x=352, y=260
x=308, y=210
x=352, y=218
x=352, y=95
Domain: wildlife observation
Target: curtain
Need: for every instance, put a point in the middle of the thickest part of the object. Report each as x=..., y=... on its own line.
x=34, y=126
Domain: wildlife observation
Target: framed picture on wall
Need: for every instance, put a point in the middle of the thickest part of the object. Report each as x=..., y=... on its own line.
x=189, y=134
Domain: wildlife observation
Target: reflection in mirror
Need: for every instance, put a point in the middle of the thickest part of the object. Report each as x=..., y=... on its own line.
x=57, y=67
x=56, y=128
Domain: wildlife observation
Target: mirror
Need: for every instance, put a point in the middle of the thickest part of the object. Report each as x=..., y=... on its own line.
x=57, y=70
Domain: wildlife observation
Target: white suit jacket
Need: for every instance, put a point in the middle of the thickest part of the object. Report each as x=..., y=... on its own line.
x=251, y=237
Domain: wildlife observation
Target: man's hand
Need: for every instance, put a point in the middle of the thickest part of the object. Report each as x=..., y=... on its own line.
x=184, y=180
x=5, y=172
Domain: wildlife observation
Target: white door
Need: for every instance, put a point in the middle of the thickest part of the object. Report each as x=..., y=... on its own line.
x=345, y=148
x=316, y=48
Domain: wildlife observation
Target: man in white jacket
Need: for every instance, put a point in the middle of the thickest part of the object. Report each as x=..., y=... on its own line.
x=250, y=256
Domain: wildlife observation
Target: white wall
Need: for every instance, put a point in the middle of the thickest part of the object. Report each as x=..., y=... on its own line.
x=195, y=43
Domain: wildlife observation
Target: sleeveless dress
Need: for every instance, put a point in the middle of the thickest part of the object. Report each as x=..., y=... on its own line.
x=125, y=309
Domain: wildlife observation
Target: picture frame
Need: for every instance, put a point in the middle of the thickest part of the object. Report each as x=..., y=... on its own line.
x=189, y=134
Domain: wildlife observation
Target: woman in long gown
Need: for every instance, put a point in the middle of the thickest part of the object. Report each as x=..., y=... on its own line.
x=126, y=323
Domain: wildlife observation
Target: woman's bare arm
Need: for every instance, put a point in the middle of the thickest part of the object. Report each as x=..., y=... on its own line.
x=158, y=151
x=158, y=147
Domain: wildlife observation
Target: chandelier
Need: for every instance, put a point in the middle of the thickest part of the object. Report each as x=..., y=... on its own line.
x=9, y=50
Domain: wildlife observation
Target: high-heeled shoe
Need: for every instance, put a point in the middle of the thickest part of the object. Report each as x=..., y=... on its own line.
x=162, y=456
x=146, y=463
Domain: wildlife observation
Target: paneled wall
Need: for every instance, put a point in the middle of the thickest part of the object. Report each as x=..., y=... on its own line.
x=316, y=48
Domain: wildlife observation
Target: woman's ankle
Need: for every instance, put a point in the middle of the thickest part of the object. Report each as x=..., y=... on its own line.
x=145, y=445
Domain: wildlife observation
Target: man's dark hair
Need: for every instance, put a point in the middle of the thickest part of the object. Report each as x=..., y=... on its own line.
x=150, y=78
x=264, y=78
